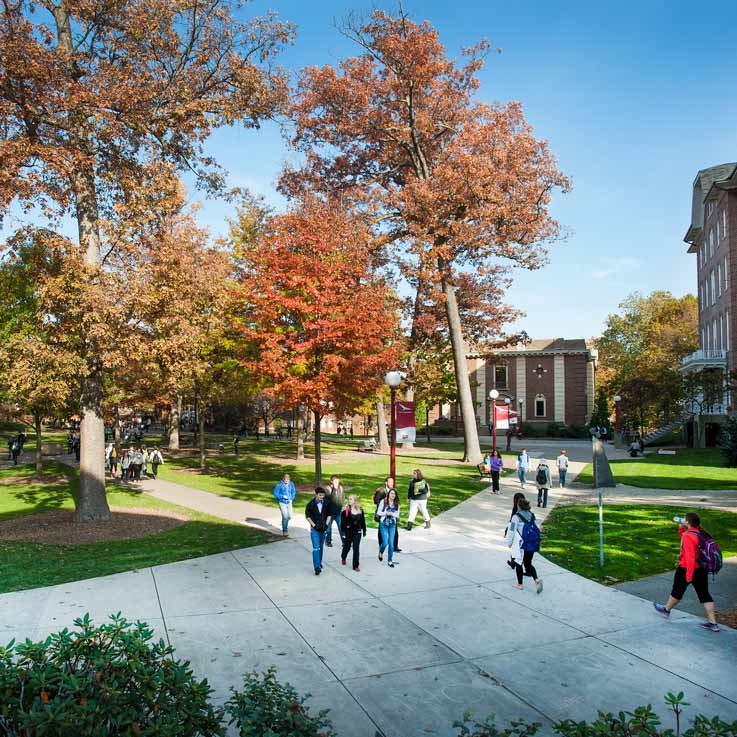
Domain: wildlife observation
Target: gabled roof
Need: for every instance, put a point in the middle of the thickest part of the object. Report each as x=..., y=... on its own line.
x=701, y=187
x=548, y=345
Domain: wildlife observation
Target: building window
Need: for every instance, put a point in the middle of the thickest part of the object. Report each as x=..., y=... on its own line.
x=500, y=376
x=719, y=280
x=724, y=223
x=726, y=330
x=714, y=334
x=713, y=289
x=539, y=405
x=726, y=272
x=703, y=340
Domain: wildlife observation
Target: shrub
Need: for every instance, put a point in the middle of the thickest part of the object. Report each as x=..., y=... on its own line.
x=534, y=429
x=728, y=442
x=109, y=681
x=268, y=708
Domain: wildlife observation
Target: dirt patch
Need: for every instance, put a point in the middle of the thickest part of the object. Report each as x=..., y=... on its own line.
x=61, y=528
x=729, y=618
x=33, y=480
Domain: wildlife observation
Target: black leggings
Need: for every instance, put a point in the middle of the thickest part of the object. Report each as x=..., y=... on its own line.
x=529, y=568
x=353, y=541
x=700, y=584
x=495, y=480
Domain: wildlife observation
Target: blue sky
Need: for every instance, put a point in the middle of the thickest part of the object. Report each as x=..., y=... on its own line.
x=634, y=98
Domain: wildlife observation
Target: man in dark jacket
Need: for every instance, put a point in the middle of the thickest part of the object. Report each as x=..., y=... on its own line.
x=317, y=513
x=336, y=501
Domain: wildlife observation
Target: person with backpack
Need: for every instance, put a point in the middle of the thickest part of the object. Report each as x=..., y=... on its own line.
x=418, y=494
x=523, y=465
x=699, y=556
x=15, y=449
x=285, y=493
x=496, y=464
x=336, y=500
x=562, y=463
x=523, y=538
x=125, y=465
x=515, y=506
x=388, y=514
x=156, y=460
x=380, y=494
x=543, y=481
x=317, y=513
x=353, y=524
x=113, y=461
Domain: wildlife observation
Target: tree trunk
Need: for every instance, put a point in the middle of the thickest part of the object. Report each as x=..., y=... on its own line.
x=201, y=433
x=300, y=433
x=381, y=422
x=472, y=448
x=116, y=432
x=318, y=453
x=427, y=423
x=39, y=457
x=175, y=417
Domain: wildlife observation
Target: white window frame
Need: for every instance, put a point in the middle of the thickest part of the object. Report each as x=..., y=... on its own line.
x=713, y=289
x=721, y=332
x=724, y=223
x=726, y=330
x=541, y=398
x=726, y=273
x=719, y=280
x=714, y=334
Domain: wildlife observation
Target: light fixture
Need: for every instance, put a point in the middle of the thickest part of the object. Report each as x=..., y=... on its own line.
x=393, y=379
x=493, y=394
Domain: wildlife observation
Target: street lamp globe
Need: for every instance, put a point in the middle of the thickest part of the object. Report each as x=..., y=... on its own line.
x=617, y=398
x=493, y=394
x=393, y=379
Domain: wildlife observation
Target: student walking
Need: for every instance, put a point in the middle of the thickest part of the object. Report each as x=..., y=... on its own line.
x=125, y=465
x=353, y=524
x=317, y=513
x=523, y=538
x=523, y=465
x=562, y=463
x=388, y=514
x=515, y=506
x=285, y=492
x=336, y=499
x=380, y=494
x=15, y=449
x=113, y=461
x=418, y=494
x=691, y=571
x=496, y=464
x=543, y=481
x=136, y=463
x=156, y=459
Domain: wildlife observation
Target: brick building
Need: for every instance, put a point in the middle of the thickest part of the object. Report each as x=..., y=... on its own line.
x=546, y=381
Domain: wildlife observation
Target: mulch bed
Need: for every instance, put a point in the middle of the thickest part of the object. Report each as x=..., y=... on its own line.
x=32, y=480
x=60, y=527
x=729, y=618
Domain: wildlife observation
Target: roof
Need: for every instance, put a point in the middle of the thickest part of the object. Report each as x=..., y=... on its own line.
x=547, y=345
x=701, y=186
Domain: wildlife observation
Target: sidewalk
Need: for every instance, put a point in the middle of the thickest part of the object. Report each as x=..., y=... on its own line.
x=404, y=652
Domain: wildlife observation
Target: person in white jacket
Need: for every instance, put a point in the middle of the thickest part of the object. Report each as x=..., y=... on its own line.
x=522, y=558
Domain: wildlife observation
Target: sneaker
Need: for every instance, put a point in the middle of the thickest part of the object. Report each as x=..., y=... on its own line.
x=510, y=563
x=357, y=569
x=661, y=610
x=285, y=534
x=342, y=560
x=397, y=550
x=409, y=527
x=710, y=626
x=427, y=525
x=391, y=565
x=381, y=557
x=317, y=571
x=539, y=586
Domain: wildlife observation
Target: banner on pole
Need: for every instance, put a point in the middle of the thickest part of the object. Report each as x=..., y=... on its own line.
x=406, y=430
x=505, y=416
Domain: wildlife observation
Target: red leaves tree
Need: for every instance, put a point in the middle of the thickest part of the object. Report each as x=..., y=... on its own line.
x=456, y=183
x=91, y=93
x=322, y=322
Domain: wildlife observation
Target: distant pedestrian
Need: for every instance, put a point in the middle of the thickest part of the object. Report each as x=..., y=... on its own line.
x=350, y=429
x=285, y=492
x=76, y=447
x=523, y=465
x=11, y=440
x=380, y=494
x=388, y=514
x=691, y=571
x=523, y=538
x=510, y=435
x=318, y=515
x=125, y=465
x=156, y=459
x=137, y=463
x=496, y=464
x=22, y=437
x=603, y=433
x=336, y=498
x=418, y=494
x=15, y=449
x=144, y=466
x=236, y=441
x=543, y=481
x=113, y=461
x=562, y=463
x=353, y=524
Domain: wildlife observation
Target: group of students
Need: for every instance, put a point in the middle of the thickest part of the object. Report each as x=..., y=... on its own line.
x=134, y=462
x=329, y=506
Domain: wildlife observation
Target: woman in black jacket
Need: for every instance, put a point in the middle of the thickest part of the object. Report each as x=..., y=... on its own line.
x=353, y=525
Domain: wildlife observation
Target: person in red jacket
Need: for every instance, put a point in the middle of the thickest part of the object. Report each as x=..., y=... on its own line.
x=689, y=571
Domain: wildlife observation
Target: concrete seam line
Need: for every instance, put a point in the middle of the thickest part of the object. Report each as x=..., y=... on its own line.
x=161, y=608
x=379, y=733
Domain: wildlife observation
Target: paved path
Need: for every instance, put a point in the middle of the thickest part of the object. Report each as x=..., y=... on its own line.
x=404, y=652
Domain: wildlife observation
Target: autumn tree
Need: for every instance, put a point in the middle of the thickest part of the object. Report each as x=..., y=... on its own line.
x=90, y=94
x=455, y=184
x=323, y=323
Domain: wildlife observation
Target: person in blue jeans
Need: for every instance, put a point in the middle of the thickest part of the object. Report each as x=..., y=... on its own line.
x=317, y=513
x=388, y=514
x=285, y=492
x=523, y=465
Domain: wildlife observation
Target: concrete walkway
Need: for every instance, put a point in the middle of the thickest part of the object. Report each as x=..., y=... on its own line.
x=404, y=652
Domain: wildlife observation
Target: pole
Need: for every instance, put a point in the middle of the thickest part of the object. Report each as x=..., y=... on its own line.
x=601, y=529
x=393, y=444
x=493, y=426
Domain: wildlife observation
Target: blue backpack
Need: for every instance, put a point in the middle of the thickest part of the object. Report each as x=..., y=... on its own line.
x=530, y=536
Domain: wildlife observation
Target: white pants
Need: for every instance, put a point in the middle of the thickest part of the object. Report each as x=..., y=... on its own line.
x=418, y=504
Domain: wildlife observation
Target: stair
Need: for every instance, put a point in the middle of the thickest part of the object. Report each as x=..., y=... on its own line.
x=661, y=432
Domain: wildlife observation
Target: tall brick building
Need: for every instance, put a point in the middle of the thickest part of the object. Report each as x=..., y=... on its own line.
x=547, y=380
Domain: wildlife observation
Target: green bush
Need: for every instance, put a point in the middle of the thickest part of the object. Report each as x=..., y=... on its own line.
x=267, y=708
x=105, y=681
x=534, y=430
x=728, y=442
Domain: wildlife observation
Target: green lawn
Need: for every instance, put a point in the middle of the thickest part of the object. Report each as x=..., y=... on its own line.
x=639, y=540
x=27, y=565
x=692, y=470
x=251, y=477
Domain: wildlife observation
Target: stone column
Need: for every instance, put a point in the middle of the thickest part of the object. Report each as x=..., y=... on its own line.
x=522, y=386
x=481, y=390
x=559, y=388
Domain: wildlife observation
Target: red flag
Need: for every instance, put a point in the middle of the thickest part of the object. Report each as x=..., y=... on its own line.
x=406, y=431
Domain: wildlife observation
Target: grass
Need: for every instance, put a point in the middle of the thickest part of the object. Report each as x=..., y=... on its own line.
x=691, y=470
x=639, y=540
x=29, y=565
x=48, y=434
x=251, y=477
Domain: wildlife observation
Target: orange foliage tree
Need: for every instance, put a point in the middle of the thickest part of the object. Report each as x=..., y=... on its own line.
x=320, y=318
x=457, y=183
x=92, y=92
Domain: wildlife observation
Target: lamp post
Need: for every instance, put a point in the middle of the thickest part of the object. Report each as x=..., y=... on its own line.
x=393, y=379
x=617, y=423
x=493, y=395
